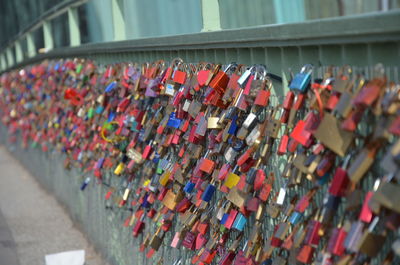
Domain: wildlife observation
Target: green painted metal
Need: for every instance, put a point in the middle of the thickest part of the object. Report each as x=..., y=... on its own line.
x=210, y=15
x=73, y=23
x=31, y=46
x=19, y=55
x=3, y=62
x=152, y=18
x=361, y=40
x=48, y=35
x=118, y=19
x=289, y=11
x=100, y=21
x=10, y=57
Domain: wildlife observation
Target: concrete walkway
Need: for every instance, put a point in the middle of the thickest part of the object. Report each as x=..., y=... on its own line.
x=32, y=223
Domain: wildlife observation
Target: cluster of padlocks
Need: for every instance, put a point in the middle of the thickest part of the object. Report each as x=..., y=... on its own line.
x=211, y=155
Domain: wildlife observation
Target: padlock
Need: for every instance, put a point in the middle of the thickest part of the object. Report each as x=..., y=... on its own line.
x=273, y=125
x=221, y=79
x=244, y=78
x=263, y=93
x=302, y=80
x=387, y=195
x=240, y=222
x=340, y=180
x=332, y=136
x=312, y=236
x=353, y=236
x=370, y=243
x=232, y=179
x=362, y=163
x=336, y=241
x=369, y=93
x=305, y=254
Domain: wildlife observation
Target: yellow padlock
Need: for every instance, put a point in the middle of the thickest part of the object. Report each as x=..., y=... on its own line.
x=118, y=170
x=165, y=177
x=232, y=180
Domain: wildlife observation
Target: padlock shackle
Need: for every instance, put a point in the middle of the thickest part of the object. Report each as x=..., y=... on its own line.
x=229, y=66
x=307, y=67
x=262, y=69
x=176, y=62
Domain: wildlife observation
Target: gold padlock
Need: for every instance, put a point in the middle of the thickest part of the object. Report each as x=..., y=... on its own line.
x=331, y=134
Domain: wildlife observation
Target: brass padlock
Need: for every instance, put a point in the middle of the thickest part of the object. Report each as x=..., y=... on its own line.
x=237, y=197
x=331, y=134
x=361, y=164
x=371, y=243
x=388, y=196
x=273, y=125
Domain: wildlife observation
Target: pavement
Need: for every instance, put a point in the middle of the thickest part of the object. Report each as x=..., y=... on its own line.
x=32, y=223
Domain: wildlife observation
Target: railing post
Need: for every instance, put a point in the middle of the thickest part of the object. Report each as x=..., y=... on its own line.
x=10, y=57
x=48, y=36
x=3, y=62
x=210, y=14
x=30, y=43
x=19, y=55
x=118, y=20
x=289, y=11
x=73, y=23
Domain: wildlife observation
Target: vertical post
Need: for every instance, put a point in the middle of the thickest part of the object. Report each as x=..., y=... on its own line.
x=289, y=11
x=19, y=55
x=118, y=20
x=30, y=43
x=3, y=62
x=48, y=36
x=10, y=57
x=210, y=13
x=73, y=24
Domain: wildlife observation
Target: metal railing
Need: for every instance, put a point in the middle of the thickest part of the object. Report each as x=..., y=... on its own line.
x=362, y=40
x=70, y=6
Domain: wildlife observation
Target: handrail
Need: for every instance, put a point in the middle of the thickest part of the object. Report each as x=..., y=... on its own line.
x=374, y=27
x=51, y=13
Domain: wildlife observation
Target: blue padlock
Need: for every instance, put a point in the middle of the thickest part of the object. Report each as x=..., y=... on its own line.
x=295, y=218
x=99, y=109
x=224, y=218
x=324, y=179
x=302, y=80
x=189, y=187
x=85, y=183
x=111, y=86
x=145, y=202
x=134, y=125
x=208, y=193
x=237, y=145
x=233, y=128
x=267, y=262
x=240, y=222
x=173, y=121
x=156, y=158
x=57, y=67
x=111, y=116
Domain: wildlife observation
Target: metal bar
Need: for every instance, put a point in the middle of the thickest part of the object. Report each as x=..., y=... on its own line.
x=48, y=36
x=3, y=62
x=73, y=23
x=31, y=45
x=118, y=20
x=211, y=16
x=10, y=57
x=329, y=34
x=19, y=55
x=48, y=15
